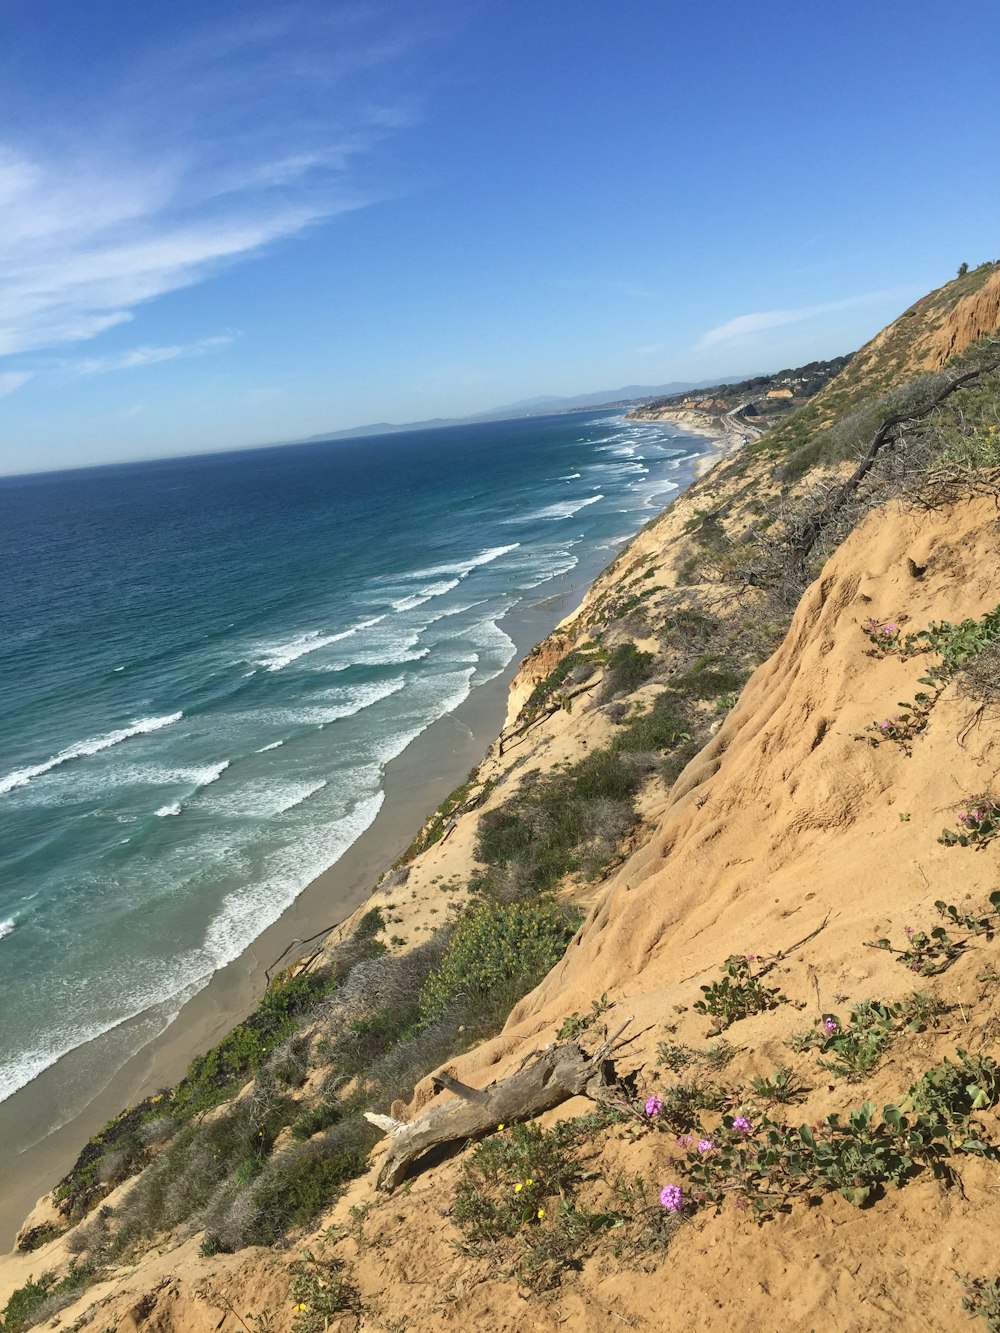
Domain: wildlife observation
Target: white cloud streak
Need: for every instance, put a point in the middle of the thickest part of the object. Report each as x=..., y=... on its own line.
x=745, y=326
x=137, y=357
x=206, y=156
x=11, y=380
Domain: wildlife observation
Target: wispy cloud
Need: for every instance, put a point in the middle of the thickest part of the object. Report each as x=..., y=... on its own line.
x=744, y=326
x=11, y=380
x=204, y=156
x=137, y=357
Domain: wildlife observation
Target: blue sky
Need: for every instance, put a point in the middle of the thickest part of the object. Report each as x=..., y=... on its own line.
x=231, y=223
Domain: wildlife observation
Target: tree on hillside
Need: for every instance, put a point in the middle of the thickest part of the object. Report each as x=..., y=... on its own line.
x=962, y=270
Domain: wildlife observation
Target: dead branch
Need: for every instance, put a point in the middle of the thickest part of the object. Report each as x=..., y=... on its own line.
x=551, y=1077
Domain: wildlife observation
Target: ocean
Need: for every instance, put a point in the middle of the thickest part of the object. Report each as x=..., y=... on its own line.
x=207, y=662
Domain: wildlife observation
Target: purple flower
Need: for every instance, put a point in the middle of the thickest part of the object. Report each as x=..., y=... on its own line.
x=684, y=1141
x=884, y=726
x=741, y=1123
x=672, y=1198
x=830, y=1025
x=889, y=629
x=751, y=958
x=654, y=1105
x=909, y=932
x=705, y=1145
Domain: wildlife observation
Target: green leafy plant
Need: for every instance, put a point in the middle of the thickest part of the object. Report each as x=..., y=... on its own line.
x=576, y=1024
x=497, y=948
x=926, y=953
x=954, y=1091
x=510, y=1178
x=982, y=1298
x=319, y=1291
x=955, y=646
x=780, y=1086
x=854, y=1048
x=41, y=1298
x=674, y=1055
x=764, y=1166
x=885, y=636
x=740, y=993
x=978, y=823
x=975, y=925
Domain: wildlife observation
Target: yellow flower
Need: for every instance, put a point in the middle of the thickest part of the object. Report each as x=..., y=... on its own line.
x=518, y=1187
x=540, y=1214
x=499, y=1127
x=302, y=1306
x=529, y=1181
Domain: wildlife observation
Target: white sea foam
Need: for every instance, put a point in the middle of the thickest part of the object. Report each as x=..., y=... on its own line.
x=346, y=701
x=424, y=595
x=571, y=476
x=160, y=1003
x=463, y=567
x=173, y=809
x=6, y=927
x=264, y=798
x=275, y=657
x=205, y=776
x=496, y=648
x=253, y=908
x=273, y=746
x=140, y=727
x=562, y=509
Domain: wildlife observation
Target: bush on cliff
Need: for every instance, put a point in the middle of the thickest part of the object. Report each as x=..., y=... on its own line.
x=498, y=950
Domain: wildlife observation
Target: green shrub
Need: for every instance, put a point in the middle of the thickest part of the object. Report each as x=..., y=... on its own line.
x=230, y=1149
x=216, y=1075
x=741, y=992
x=668, y=722
x=627, y=667
x=497, y=948
x=39, y=1299
x=370, y=925
x=565, y=821
x=296, y=1185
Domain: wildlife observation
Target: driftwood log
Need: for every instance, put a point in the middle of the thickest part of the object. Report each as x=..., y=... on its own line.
x=549, y=1077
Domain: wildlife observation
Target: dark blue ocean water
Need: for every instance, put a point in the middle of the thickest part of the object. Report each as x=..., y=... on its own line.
x=206, y=663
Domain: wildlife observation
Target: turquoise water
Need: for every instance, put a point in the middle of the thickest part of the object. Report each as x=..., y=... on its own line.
x=206, y=664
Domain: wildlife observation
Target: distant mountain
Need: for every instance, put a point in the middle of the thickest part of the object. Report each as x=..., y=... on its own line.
x=528, y=407
x=629, y=393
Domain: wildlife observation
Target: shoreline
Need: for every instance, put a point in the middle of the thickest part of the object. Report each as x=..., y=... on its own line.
x=38, y=1153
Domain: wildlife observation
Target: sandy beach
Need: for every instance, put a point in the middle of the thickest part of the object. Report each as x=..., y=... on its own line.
x=43, y=1127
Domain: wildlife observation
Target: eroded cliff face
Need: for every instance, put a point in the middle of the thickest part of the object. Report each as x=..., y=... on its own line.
x=975, y=316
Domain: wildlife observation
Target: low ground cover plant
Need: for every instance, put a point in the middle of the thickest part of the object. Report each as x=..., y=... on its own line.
x=319, y=1291
x=957, y=647
x=978, y=822
x=982, y=1297
x=929, y=953
x=39, y=1299
x=740, y=993
x=854, y=1048
x=518, y=1199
